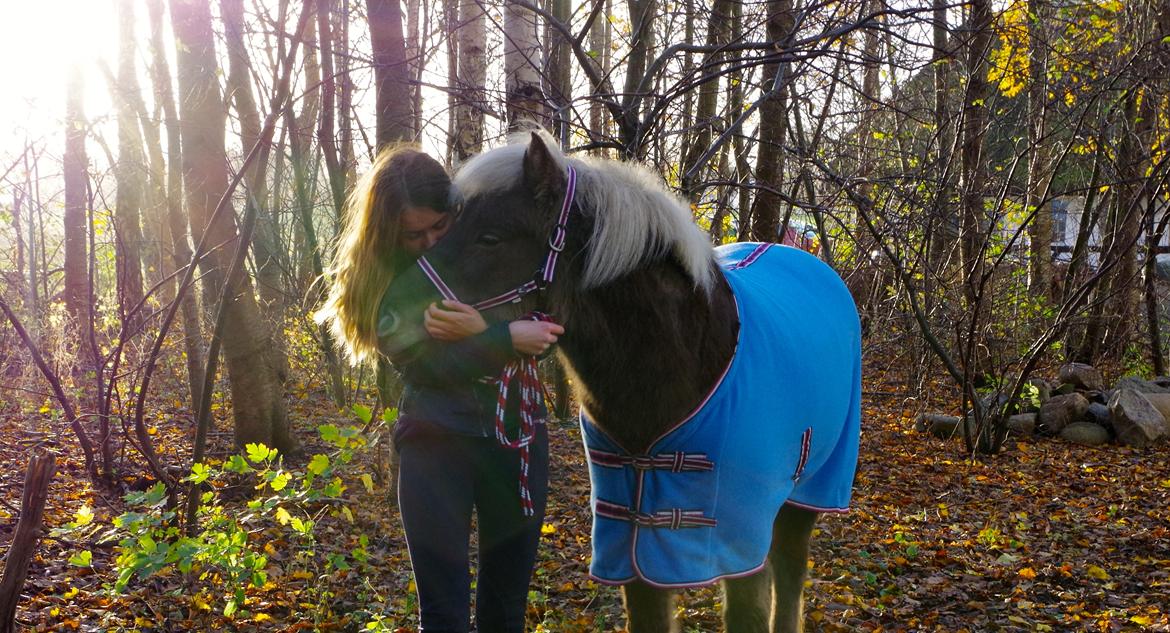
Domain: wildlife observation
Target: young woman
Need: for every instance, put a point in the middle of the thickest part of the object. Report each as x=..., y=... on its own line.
x=450, y=461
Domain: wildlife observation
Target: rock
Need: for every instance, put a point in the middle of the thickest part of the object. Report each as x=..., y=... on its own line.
x=1085, y=433
x=937, y=424
x=1098, y=396
x=1043, y=389
x=1082, y=376
x=1064, y=388
x=1022, y=423
x=1099, y=414
x=1143, y=386
x=1061, y=411
x=1135, y=420
x=1161, y=402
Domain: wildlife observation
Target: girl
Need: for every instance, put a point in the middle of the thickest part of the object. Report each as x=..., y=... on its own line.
x=450, y=461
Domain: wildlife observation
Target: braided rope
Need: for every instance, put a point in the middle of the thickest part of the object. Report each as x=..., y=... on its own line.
x=531, y=394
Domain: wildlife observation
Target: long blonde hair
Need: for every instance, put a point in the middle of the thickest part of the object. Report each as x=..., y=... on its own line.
x=368, y=251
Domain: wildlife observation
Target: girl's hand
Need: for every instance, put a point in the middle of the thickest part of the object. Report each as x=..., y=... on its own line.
x=534, y=337
x=453, y=321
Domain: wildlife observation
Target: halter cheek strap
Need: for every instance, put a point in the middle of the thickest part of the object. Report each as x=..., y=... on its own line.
x=543, y=277
x=531, y=391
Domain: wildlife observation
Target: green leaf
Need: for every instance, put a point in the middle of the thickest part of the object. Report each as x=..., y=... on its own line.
x=362, y=412
x=83, y=517
x=84, y=558
x=199, y=473
x=230, y=608
x=283, y=516
x=390, y=415
x=318, y=464
x=329, y=432
x=237, y=464
x=280, y=481
x=258, y=452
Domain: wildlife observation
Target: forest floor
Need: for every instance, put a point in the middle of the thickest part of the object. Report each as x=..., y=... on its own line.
x=1046, y=536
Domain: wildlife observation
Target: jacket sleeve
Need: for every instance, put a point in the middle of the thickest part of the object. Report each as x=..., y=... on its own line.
x=474, y=357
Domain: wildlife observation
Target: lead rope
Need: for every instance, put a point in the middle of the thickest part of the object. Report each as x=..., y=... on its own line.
x=531, y=399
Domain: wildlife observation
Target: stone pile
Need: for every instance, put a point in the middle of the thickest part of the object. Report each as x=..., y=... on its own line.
x=1079, y=407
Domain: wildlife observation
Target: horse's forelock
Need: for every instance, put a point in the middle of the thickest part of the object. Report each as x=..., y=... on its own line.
x=634, y=216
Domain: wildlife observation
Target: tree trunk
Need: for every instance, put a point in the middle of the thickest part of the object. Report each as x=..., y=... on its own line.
x=765, y=213
x=41, y=467
x=75, y=161
x=129, y=172
x=522, y=56
x=1039, y=154
x=391, y=72
x=257, y=398
x=974, y=173
x=470, y=80
x=414, y=57
x=345, y=98
x=642, y=13
x=266, y=243
x=325, y=129
x=559, y=72
x=181, y=248
x=706, y=117
x=600, y=35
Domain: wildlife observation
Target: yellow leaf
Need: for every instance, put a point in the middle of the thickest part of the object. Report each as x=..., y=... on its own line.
x=1096, y=572
x=152, y=430
x=261, y=617
x=1142, y=620
x=548, y=528
x=368, y=482
x=54, y=612
x=1028, y=573
x=198, y=602
x=73, y=591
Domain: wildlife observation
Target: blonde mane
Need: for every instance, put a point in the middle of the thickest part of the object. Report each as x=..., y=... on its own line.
x=635, y=217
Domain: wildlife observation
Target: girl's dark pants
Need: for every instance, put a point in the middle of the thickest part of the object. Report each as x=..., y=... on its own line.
x=444, y=477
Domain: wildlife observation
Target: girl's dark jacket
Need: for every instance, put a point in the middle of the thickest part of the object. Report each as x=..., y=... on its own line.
x=451, y=386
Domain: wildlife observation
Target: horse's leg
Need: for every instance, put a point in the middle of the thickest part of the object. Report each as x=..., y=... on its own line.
x=745, y=603
x=789, y=559
x=648, y=610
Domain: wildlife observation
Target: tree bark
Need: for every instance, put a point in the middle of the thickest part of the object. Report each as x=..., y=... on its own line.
x=37, y=478
x=600, y=35
x=391, y=72
x=471, y=41
x=257, y=398
x=525, y=100
x=130, y=173
x=706, y=118
x=75, y=161
x=974, y=173
x=765, y=213
x=1039, y=154
x=173, y=193
x=559, y=72
x=642, y=14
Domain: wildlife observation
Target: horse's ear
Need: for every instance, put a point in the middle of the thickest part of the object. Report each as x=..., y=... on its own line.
x=543, y=174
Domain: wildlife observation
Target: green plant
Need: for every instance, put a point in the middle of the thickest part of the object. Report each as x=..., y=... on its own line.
x=226, y=551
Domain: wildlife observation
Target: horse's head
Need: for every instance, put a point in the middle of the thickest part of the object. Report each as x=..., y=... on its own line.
x=622, y=219
x=513, y=199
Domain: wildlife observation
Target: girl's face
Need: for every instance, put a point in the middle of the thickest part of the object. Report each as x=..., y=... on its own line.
x=420, y=228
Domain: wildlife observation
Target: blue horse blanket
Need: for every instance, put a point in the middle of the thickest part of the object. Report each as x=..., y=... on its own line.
x=781, y=426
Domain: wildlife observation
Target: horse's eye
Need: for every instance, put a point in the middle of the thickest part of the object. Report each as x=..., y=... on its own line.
x=488, y=239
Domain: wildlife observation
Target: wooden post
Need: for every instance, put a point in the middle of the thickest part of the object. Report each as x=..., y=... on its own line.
x=37, y=478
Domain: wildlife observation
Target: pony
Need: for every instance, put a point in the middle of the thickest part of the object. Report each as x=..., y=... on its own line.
x=719, y=388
